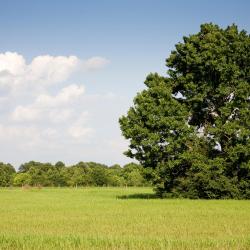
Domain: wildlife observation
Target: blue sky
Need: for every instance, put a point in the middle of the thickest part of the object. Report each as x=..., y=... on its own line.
x=114, y=45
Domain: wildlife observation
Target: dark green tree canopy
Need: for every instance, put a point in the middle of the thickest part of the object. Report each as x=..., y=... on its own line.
x=193, y=126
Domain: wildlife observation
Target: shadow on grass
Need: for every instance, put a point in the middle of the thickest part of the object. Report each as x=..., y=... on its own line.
x=138, y=196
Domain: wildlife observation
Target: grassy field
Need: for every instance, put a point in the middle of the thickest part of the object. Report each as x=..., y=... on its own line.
x=118, y=218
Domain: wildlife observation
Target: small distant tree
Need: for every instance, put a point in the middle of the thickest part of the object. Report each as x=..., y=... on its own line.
x=80, y=175
x=99, y=176
x=133, y=174
x=59, y=164
x=21, y=179
x=116, y=180
x=7, y=172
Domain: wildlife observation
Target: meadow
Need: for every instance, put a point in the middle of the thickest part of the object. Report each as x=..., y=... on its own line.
x=118, y=218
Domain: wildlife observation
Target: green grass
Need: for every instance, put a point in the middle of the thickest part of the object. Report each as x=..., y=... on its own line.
x=117, y=218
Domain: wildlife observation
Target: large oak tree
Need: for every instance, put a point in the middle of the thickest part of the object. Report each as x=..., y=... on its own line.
x=191, y=128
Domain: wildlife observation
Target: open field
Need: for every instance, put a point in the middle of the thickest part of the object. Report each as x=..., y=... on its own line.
x=116, y=218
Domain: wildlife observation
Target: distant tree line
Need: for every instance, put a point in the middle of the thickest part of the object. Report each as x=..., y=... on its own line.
x=82, y=174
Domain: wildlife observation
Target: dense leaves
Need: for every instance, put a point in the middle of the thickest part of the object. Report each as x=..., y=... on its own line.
x=6, y=174
x=82, y=174
x=192, y=127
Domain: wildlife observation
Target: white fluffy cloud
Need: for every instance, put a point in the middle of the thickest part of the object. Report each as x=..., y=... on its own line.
x=22, y=113
x=12, y=63
x=43, y=114
x=49, y=69
x=65, y=96
x=43, y=70
x=49, y=105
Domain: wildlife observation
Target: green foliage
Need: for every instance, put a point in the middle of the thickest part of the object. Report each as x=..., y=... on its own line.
x=6, y=174
x=134, y=175
x=22, y=179
x=82, y=174
x=192, y=128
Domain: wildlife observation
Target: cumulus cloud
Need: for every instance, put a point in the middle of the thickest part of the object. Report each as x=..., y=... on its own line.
x=66, y=95
x=43, y=70
x=12, y=63
x=48, y=104
x=22, y=113
x=49, y=69
x=41, y=120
